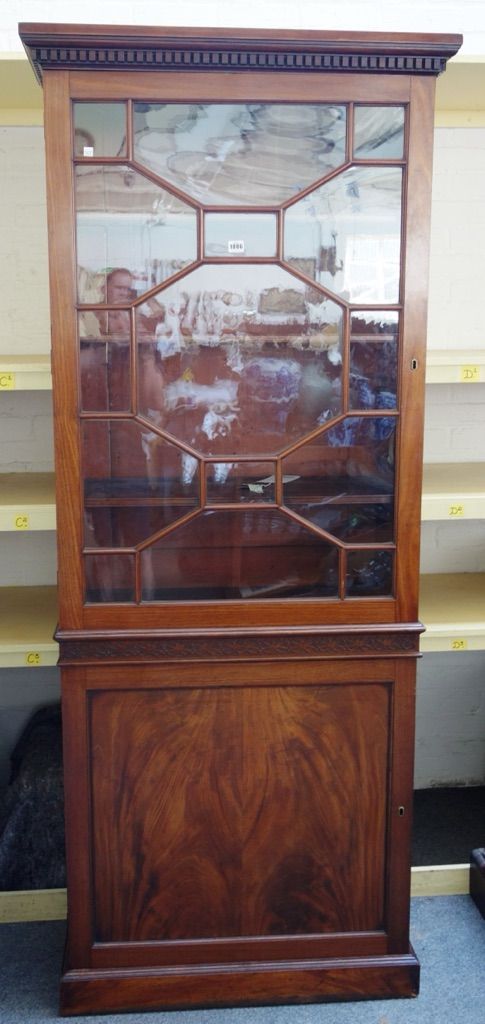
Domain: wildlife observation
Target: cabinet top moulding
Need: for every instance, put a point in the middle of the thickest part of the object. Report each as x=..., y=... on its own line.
x=120, y=46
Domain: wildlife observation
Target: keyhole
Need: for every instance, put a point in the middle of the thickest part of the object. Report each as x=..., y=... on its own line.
x=414, y=364
x=400, y=811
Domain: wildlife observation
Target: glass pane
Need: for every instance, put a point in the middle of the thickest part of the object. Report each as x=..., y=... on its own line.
x=240, y=234
x=346, y=234
x=369, y=573
x=379, y=133
x=109, y=578
x=241, y=482
x=136, y=483
x=105, y=376
x=240, y=153
x=99, y=129
x=131, y=234
x=373, y=360
x=343, y=480
x=234, y=555
x=243, y=359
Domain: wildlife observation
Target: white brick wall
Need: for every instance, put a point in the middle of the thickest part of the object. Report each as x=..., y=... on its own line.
x=450, y=720
x=467, y=16
x=457, y=267
x=24, y=295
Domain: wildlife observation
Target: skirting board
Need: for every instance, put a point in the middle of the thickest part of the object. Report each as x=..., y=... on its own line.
x=51, y=904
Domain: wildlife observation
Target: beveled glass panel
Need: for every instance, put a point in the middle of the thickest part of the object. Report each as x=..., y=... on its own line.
x=240, y=234
x=99, y=129
x=378, y=133
x=109, y=578
x=343, y=480
x=373, y=359
x=242, y=359
x=240, y=153
x=369, y=573
x=135, y=483
x=240, y=482
x=131, y=234
x=346, y=234
x=239, y=554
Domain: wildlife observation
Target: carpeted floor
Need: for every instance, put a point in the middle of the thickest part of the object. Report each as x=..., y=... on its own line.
x=448, y=935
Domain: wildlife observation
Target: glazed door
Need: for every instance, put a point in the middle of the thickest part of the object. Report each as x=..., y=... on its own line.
x=239, y=319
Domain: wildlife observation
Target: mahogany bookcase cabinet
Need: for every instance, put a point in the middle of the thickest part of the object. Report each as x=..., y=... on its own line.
x=238, y=226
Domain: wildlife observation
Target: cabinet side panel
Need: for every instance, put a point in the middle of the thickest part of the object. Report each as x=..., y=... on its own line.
x=417, y=221
x=64, y=345
x=239, y=811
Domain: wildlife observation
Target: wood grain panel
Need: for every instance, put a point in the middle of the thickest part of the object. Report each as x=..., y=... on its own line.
x=239, y=812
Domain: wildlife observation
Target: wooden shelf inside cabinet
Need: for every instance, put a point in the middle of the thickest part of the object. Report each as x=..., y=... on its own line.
x=452, y=607
x=28, y=617
x=27, y=502
x=454, y=491
x=447, y=367
x=25, y=373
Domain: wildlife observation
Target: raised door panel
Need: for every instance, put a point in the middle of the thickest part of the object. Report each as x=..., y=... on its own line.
x=239, y=811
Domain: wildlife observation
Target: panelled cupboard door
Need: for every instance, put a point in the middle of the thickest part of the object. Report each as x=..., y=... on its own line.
x=237, y=815
x=238, y=229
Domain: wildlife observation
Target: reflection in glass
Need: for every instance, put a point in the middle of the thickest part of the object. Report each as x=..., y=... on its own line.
x=240, y=482
x=239, y=359
x=369, y=573
x=346, y=234
x=378, y=133
x=104, y=369
x=242, y=153
x=135, y=483
x=343, y=480
x=239, y=234
x=99, y=129
x=244, y=554
x=131, y=234
x=109, y=578
x=373, y=359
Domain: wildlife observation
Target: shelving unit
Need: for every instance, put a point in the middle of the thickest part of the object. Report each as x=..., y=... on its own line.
x=27, y=502
x=453, y=491
x=452, y=608
x=28, y=617
x=25, y=373
x=459, y=367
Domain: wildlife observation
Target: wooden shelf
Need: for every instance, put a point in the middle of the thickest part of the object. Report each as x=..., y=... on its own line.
x=452, y=607
x=25, y=373
x=454, y=491
x=28, y=617
x=27, y=502
x=455, y=367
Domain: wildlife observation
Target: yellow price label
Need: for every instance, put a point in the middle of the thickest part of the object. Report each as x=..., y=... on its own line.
x=32, y=658
x=458, y=645
x=455, y=511
x=470, y=374
x=7, y=381
x=21, y=522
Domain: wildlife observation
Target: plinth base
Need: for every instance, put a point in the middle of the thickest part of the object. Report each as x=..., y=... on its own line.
x=252, y=984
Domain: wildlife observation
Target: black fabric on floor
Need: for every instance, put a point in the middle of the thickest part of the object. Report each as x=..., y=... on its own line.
x=448, y=825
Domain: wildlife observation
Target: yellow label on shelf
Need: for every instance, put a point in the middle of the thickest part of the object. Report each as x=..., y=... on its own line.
x=458, y=645
x=32, y=658
x=455, y=511
x=470, y=374
x=7, y=381
x=21, y=522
